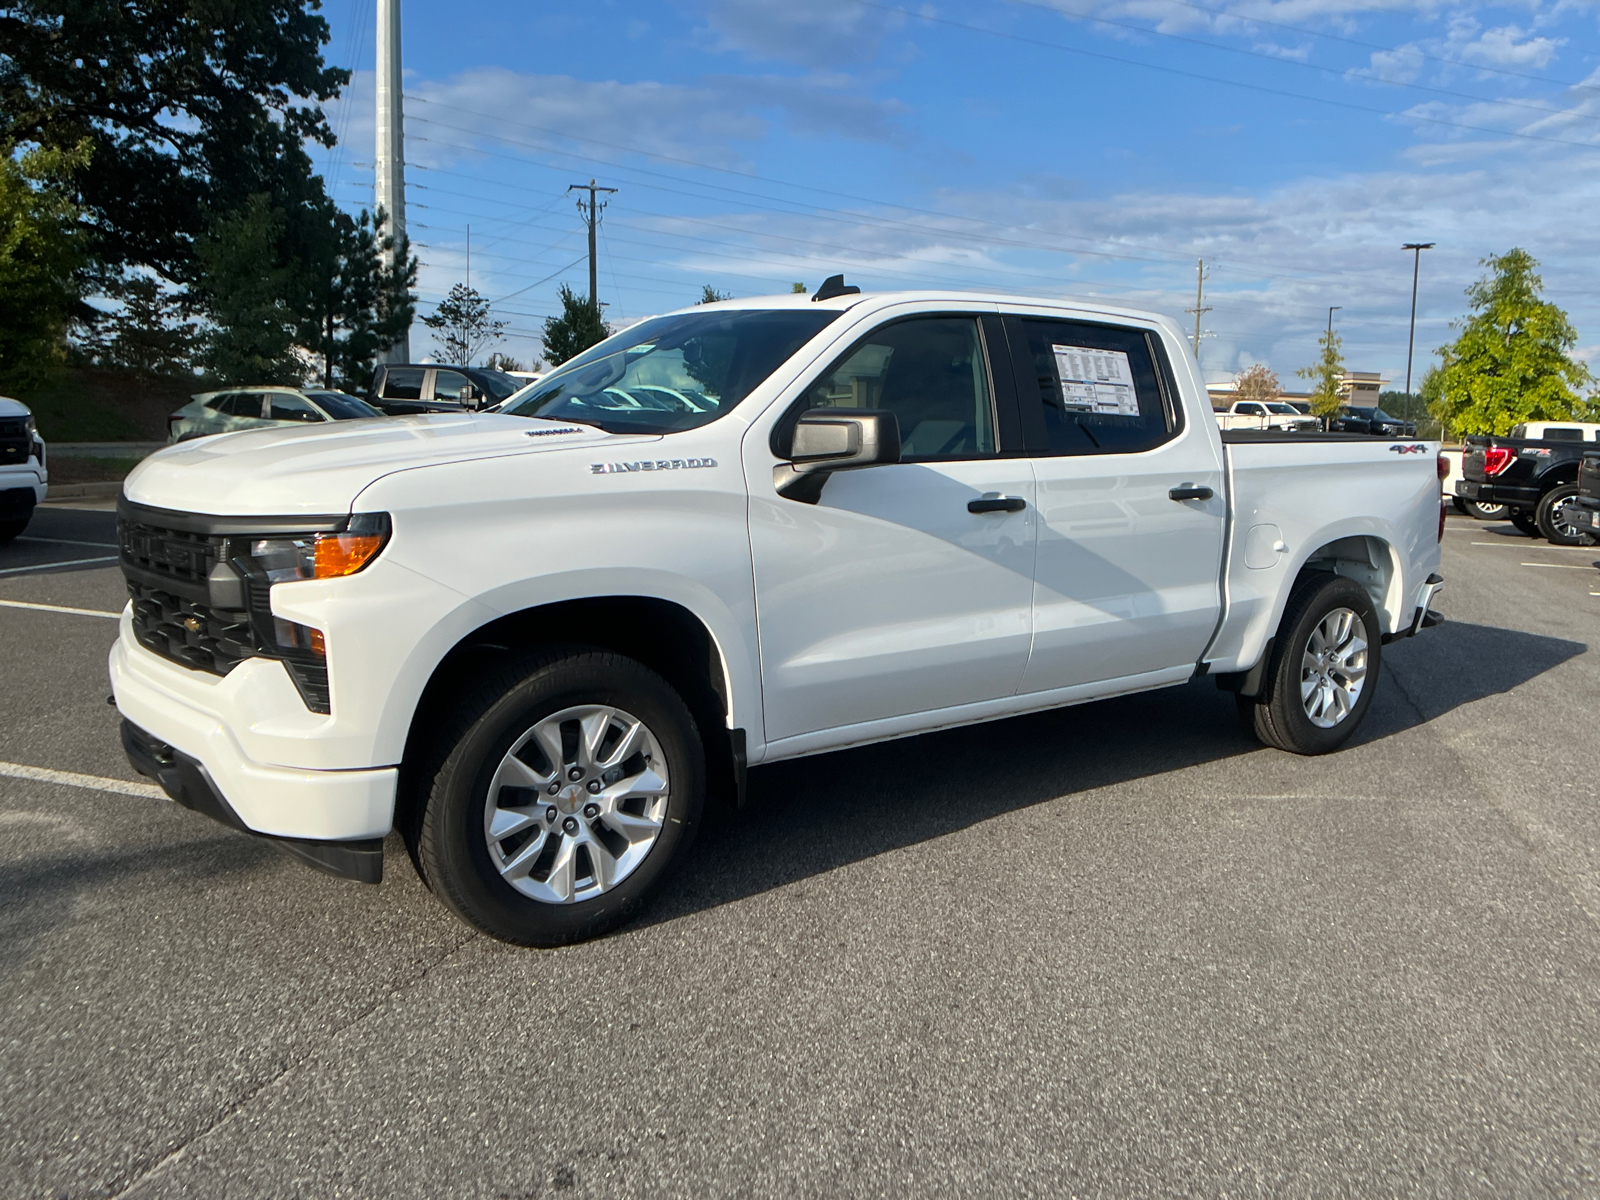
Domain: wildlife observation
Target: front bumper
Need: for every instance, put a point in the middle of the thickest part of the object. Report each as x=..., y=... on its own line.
x=196, y=718
x=1498, y=493
x=187, y=781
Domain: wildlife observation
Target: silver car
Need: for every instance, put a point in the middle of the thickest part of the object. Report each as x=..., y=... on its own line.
x=262, y=408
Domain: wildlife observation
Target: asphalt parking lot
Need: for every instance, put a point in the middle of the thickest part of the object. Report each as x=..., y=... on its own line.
x=1115, y=950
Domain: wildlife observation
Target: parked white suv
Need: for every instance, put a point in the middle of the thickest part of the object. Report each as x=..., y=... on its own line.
x=739, y=533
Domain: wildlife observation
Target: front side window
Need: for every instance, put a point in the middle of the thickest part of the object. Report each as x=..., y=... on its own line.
x=451, y=385
x=403, y=383
x=1250, y=410
x=672, y=373
x=1096, y=387
x=930, y=372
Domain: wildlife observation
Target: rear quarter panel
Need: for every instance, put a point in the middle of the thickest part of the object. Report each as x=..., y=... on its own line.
x=1303, y=496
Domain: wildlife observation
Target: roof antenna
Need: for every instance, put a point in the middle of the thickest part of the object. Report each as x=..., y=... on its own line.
x=834, y=285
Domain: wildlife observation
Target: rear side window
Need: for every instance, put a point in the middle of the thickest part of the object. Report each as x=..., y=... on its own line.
x=241, y=404
x=451, y=385
x=292, y=408
x=403, y=383
x=1095, y=390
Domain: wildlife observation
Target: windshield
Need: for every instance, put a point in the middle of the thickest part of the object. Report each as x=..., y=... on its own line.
x=498, y=384
x=672, y=373
x=1379, y=415
x=342, y=407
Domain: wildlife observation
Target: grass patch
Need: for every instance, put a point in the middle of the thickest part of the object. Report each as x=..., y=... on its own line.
x=87, y=404
x=68, y=469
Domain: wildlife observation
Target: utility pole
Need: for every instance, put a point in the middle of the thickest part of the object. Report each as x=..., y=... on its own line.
x=390, y=164
x=1416, y=249
x=591, y=211
x=469, y=257
x=1200, y=306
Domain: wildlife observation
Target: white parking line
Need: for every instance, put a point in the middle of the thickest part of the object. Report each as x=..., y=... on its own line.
x=76, y=562
x=98, y=783
x=1559, y=566
x=1527, y=544
x=77, y=612
x=69, y=542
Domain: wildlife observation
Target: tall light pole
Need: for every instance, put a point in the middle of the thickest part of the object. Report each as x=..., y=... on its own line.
x=1332, y=308
x=1416, y=249
x=390, y=164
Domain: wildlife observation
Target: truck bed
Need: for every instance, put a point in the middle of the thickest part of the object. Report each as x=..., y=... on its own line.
x=1281, y=487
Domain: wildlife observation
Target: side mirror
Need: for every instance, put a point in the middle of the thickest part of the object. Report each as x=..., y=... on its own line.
x=842, y=439
x=826, y=440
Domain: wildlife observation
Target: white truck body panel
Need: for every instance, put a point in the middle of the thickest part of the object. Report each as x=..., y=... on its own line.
x=884, y=609
x=32, y=473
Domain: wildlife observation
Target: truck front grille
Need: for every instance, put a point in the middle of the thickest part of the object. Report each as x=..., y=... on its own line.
x=168, y=572
x=193, y=634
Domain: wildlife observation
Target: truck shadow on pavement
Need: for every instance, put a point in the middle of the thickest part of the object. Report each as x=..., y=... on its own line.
x=811, y=815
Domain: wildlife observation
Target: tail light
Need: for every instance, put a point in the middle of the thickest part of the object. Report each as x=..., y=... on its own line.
x=1443, y=466
x=1497, y=459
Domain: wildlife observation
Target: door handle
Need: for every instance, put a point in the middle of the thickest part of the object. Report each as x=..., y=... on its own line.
x=1189, y=491
x=995, y=502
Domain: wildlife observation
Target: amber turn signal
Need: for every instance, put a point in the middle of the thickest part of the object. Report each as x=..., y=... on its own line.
x=339, y=554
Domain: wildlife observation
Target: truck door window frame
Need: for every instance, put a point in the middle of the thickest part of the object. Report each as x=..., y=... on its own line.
x=1004, y=415
x=1025, y=384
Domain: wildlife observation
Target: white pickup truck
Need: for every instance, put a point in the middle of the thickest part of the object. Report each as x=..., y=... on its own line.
x=533, y=640
x=24, y=480
x=1253, y=414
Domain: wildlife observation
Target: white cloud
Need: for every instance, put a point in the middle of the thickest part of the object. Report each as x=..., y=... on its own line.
x=825, y=34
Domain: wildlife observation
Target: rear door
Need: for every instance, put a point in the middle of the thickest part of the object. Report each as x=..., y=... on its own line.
x=1127, y=579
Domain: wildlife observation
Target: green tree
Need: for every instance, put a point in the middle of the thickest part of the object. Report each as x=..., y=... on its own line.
x=1511, y=361
x=466, y=324
x=355, y=298
x=246, y=289
x=710, y=295
x=188, y=106
x=41, y=254
x=152, y=333
x=799, y=289
x=1327, y=374
x=1259, y=383
x=579, y=326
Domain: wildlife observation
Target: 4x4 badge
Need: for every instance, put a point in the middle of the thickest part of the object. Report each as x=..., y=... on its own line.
x=1409, y=448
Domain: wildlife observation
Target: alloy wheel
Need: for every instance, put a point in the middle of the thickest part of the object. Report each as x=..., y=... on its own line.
x=576, y=804
x=1333, y=668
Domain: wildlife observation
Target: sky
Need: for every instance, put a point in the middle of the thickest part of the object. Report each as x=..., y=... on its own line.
x=1054, y=148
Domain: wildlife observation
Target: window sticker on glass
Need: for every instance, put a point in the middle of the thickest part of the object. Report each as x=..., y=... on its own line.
x=1096, y=381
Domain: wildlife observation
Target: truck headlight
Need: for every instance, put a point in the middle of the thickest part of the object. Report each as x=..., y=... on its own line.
x=322, y=555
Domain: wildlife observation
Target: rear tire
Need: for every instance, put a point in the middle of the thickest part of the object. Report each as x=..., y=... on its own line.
x=1324, y=670
x=1487, y=512
x=1525, y=521
x=1553, y=519
x=515, y=837
x=12, y=529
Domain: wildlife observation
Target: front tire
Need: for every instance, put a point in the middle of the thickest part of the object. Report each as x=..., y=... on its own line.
x=10, y=530
x=1324, y=669
x=572, y=784
x=1553, y=517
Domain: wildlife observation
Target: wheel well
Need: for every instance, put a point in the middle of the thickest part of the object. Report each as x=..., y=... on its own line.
x=1368, y=561
x=666, y=637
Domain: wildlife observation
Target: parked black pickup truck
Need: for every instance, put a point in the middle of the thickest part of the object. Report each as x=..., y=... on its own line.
x=1585, y=508
x=1537, y=478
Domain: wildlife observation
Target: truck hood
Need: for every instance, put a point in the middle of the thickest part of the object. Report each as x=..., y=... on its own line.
x=310, y=470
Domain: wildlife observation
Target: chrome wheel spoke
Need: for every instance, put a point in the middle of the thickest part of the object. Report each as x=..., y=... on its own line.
x=522, y=862
x=561, y=879
x=508, y=822
x=632, y=826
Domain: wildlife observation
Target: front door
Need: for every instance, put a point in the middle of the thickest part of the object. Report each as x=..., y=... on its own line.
x=1127, y=581
x=888, y=596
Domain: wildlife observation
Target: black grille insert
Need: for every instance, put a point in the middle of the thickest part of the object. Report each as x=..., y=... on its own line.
x=191, y=633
